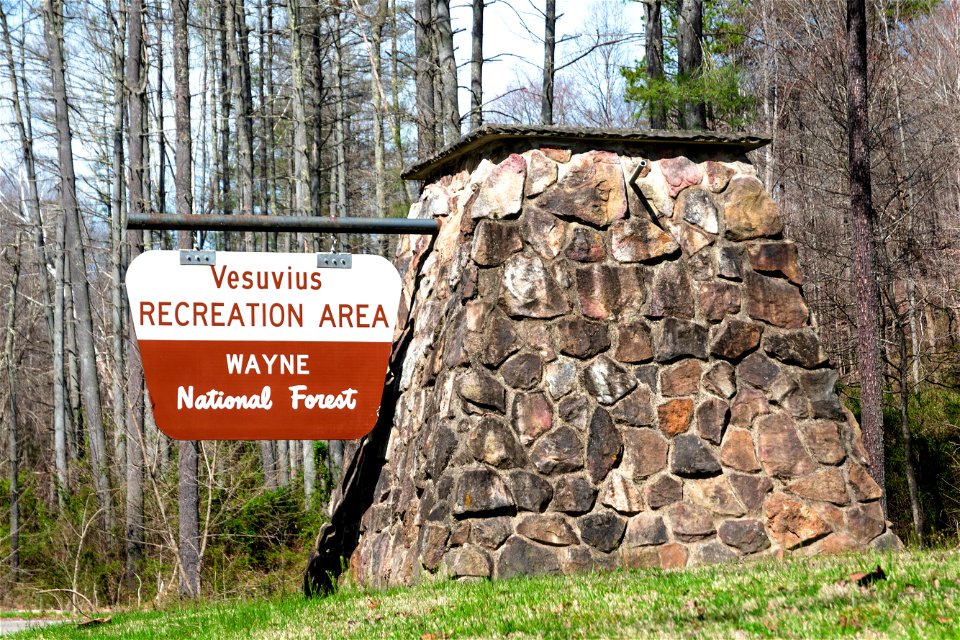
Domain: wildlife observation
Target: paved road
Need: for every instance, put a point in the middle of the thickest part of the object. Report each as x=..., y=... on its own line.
x=12, y=625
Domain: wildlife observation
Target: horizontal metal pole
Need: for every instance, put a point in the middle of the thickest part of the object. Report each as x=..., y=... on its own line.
x=246, y=222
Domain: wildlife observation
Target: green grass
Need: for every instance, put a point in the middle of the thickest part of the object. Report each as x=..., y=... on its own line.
x=793, y=599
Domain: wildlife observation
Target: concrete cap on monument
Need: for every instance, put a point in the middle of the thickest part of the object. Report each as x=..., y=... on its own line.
x=264, y=346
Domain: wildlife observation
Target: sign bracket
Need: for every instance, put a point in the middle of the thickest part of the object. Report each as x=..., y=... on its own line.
x=200, y=258
x=334, y=261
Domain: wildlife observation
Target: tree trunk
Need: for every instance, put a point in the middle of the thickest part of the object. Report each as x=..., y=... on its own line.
x=315, y=134
x=476, y=67
x=302, y=202
x=89, y=376
x=653, y=49
x=13, y=433
x=135, y=81
x=72, y=373
x=239, y=57
x=549, y=48
x=188, y=486
x=377, y=23
x=61, y=410
x=448, y=72
x=226, y=104
x=117, y=224
x=426, y=115
x=32, y=206
x=690, y=59
x=863, y=241
x=161, y=129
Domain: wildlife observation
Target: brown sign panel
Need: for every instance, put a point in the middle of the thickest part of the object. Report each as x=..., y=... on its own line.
x=263, y=346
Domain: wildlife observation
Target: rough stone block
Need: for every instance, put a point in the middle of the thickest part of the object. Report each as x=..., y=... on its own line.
x=674, y=416
x=548, y=528
x=522, y=371
x=712, y=418
x=775, y=301
x=471, y=562
x=663, y=490
x=644, y=452
x=494, y=242
x=543, y=232
x=746, y=535
x=530, y=290
x=586, y=245
x=775, y=257
x=792, y=523
x=592, y=190
x=826, y=485
x=758, y=370
x=681, y=379
x=481, y=491
x=602, y=530
x=714, y=494
x=634, y=344
x=532, y=415
x=645, y=529
x=520, y=557
x=865, y=521
x=558, y=451
x=735, y=338
x=781, y=453
x=501, y=194
x=636, y=409
x=719, y=299
x=801, y=348
x=697, y=207
x=721, y=380
x=638, y=239
x=598, y=290
x=604, y=446
x=573, y=495
x=493, y=442
x=691, y=457
x=681, y=338
x=690, y=522
x=482, y=390
x=864, y=487
x=680, y=173
x=531, y=492
x=671, y=294
x=823, y=440
x=748, y=211
x=621, y=494
x=581, y=338
x=607, y=381
x=738, y=452
x=751, y=489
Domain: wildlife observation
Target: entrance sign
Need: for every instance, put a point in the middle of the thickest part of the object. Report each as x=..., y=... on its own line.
x=263, y=346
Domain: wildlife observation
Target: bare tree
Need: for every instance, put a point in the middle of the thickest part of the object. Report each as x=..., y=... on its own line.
x=476, y=67
x=549, y=49
x=690, y=59
x=426, y=73
x=863, y=240
x=13, y=432
x=188, y=454
x=136, y=85
x=447, y=72
x=89, y=376
x=653, y=48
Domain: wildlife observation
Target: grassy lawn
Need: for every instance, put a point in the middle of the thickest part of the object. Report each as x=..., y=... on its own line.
x=794, y=599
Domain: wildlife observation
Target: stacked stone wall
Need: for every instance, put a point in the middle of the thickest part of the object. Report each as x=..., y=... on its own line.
x=603, y=376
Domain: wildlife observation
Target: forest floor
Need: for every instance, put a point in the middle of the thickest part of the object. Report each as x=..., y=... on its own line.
x=917, y=594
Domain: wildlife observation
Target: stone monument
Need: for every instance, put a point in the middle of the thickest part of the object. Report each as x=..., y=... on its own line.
x=603, y=360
